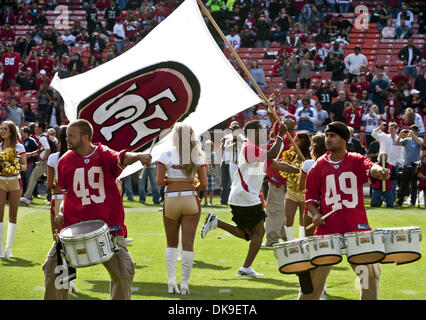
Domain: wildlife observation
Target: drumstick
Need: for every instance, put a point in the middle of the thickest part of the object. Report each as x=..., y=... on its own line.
x=150, y=150
x=323, y=217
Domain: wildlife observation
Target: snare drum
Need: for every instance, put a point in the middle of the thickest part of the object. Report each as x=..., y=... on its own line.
x=293, y=256
x=402, y=245
x=365, y=247
x=325, y=250
x=86, y=243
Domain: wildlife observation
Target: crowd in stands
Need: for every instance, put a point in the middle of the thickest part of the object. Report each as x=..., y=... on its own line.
x=307, y=49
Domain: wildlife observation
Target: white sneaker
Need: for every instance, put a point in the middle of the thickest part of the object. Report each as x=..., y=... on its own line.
x=248, y=272
x=209, y=224
x=128, y=240
x=25, y=201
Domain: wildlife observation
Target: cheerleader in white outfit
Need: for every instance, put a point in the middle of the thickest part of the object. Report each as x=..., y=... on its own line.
x=10, y=183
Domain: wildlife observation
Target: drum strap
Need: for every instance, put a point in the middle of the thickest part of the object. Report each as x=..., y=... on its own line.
x=305, y=281
x=72, y=272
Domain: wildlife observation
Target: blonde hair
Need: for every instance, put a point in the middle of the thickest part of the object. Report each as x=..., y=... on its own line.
x=188, y=147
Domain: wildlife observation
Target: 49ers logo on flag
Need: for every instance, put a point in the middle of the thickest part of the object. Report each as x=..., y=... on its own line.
x=133, y=110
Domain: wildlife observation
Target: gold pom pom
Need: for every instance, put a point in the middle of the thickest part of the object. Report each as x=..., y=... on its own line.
x=9, y=162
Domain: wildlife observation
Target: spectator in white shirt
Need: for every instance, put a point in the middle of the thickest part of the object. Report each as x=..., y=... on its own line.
x=233, y=39
x=388, y=32
x=353, y=62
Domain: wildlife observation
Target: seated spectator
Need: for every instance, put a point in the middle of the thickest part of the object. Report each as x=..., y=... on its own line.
x=29, y=115
x=60, y=47
x=76, y=28
x=336, y=49
x=400, y=77
x=320, y=50
x=75, y=66
x=68, y=38
x=8, y=16
x=26, y=80
x=276, y=34
x=42, y=78
x=389, y=31
x=364, y=101
x=287, y=105
x=40, y=19
x=50, y=37
x=82, y=38
x=292, y=40
x=323, y=36
x=392, y=115
x=405, y=15
x=342, y=24
x=7, y=34
x=403, y=32
x=61, y=66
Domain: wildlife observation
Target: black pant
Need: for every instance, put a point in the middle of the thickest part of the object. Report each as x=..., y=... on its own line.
x=305, y=83
x=408, y=179
x=291, y=85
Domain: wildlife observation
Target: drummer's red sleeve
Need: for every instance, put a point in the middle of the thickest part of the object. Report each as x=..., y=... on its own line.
x=312, y=193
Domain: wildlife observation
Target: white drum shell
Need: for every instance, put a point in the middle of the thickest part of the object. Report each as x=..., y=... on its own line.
x=325, y=249
x=86, y=243
x=402, y=244
x=367, y=243
x=293, y=256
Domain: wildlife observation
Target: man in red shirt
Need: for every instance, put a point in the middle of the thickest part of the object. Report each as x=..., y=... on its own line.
x=335, y=183
x=353, y=115
x=87, y=173
x=46, y=63
x=359, y=86
x=400, y=77
x=11, y=62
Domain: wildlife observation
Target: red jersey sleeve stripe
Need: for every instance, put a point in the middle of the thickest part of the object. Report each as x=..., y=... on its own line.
x=243, y=183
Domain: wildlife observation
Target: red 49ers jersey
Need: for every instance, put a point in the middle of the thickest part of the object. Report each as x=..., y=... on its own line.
x=337, y=186
x=90, y=187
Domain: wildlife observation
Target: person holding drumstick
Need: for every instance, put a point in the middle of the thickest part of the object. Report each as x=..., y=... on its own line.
x=176, y=169
x=87, y=173
x=334, y=185
x=15, y=160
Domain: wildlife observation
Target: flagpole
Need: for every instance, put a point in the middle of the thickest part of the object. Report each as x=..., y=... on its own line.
x=242, y=65
x=150, y=150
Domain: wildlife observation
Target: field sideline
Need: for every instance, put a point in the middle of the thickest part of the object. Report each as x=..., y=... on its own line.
x=217, y=260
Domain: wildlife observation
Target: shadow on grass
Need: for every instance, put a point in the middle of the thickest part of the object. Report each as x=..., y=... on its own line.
x=159, y=290
x=202, y=265
x=17, y=262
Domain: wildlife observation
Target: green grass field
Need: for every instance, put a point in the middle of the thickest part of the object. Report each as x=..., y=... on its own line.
x=217, y=260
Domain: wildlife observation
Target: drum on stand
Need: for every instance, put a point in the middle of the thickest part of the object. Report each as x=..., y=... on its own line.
x=325, y=250
x=87, y=243
x=402, y=245
x=365, y=247
x=293, y=256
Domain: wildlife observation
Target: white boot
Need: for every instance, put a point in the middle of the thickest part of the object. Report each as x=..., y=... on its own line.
x=289, y=231
x=11, y=231
x=1, y=240
x=187, y=262
x=170, y=257
x=301, y=232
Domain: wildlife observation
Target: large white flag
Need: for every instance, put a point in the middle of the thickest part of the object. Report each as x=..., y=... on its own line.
x=176, y=73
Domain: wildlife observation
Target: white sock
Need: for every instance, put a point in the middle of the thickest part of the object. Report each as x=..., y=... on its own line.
x=11, y=231
x=289, y=232
x=301, y=232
